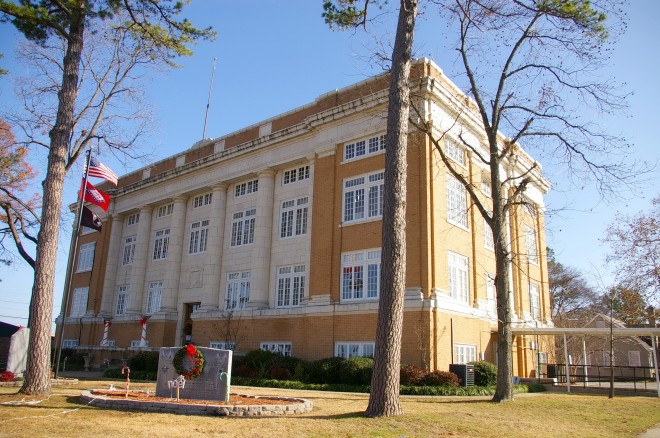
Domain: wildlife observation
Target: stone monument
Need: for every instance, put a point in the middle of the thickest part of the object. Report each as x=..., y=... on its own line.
x=212, y=384
x=18, y=350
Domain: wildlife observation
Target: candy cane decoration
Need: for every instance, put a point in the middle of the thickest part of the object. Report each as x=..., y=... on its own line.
x=143, y=336
x=106, y=328
x=128, y=373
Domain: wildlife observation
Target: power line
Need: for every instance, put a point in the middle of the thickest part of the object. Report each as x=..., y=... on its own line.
x=16, y=317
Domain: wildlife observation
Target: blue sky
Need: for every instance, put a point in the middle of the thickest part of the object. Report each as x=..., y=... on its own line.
x=274, y=56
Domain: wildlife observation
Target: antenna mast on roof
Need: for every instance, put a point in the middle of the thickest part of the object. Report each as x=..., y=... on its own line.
x=208, y=103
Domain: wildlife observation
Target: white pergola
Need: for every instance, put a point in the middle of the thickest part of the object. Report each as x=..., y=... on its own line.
x=588, y=331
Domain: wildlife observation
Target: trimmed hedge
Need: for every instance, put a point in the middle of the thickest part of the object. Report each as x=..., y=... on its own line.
x=115, y=373
x=485, y=373
x=144, y=361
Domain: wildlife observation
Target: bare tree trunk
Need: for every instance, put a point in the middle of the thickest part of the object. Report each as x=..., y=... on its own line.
x=37, y=375
x=384, y=398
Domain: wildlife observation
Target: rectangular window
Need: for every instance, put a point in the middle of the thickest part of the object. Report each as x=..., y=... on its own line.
x=530, y=245
x=634, y=359
x=137, y=343
x=246, y=188
x=491, y=293
x=456, y=202
x=489, y=240
x=458, y=276
x=165, y=210
x=79, y=303
x=293, y=218
x=129, y=250
x=122, y=300
x=357, y=268
x=161, y=244
x=364, y=147
x=155, y=295
x=222, y=345
x=534, y=301
x=455, y=152
x=86, y=257
x=290, y=285
x=354, y=349
x=242, y=227
x=465, y=353
x=486, y=187
x=238, y=290
x=202, y=200
x=283, y=348
x=133, y=219
x=70, y=343
x=354, y=197
x=298, y=174
x=199, y=232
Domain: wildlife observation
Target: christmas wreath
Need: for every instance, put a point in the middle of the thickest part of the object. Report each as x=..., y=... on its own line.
x=189, y=362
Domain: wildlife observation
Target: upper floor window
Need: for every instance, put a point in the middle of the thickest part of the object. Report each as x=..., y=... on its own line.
x=242, y=227
x=122, y=300
x=133, y=219
x=534, y=301
x=161, y=244
x=297, y=174
x=199, y=232
x=238, y=290
x=358, y=267
x=283, y=348
x=79, y=303
x=246, y=188
x=364, y=147
x=530, y=245
x=354, y=349
x=290, y=285
x=455, y=152
x=155, y=296
x=458, y=276
x=129, y=250
x=489, y=240
x=486, y=186
x=222, y=345
x=86, y=257
x=354, y=197
x=202, y=200
x=165, y=210
x=456, y=202
x=491, y=294
x=293, y=219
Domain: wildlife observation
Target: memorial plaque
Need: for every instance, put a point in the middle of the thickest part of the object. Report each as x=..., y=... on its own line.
x=213, y=384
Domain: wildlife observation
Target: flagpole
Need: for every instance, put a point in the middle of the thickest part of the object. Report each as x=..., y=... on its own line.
x=72, y=259
x=208, y=103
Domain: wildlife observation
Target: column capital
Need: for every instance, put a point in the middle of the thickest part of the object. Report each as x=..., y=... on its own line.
x=221, y=186
x=146, y=209
x=266, y=172
x=181, y=198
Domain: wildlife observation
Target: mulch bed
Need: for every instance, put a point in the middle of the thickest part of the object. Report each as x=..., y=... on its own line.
x=234, y=399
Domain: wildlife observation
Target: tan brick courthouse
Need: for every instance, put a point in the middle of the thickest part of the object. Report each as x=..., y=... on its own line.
x=269, y=237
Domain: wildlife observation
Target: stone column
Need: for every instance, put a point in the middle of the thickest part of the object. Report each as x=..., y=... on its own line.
x=212, y=296
x=263, y=232
x=112, y=261
x=174, y=253
x=139, y=268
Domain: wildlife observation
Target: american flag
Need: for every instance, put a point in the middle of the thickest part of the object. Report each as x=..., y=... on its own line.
x=99, y=170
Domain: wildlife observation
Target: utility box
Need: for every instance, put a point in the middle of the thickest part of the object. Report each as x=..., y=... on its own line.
x=465, y=373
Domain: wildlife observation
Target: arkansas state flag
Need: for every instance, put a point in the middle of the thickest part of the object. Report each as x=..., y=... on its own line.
x=97, y=197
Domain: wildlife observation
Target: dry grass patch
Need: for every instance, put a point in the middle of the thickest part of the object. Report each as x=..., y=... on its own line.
x=340, y=414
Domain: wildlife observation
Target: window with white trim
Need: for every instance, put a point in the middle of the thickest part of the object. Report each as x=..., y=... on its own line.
x=606, y=359
x=70, y=343
x=634, y=359
x=283, y=348
x=202, y=200
x=458, y=276
x=364, y=147
x=491, y=294
x=238, y=290
x=293, y=218
x=155, y=296
x=290, y=285
x=456, y=202
x=530, y=245
x=489, y=239
x=79, y=303
x=122, y=300
x=129, y=250
x=354, y=349
x=454, y=152
x=534, y=301
x=137, y=343
x=354, y=197
x=486, y=186
x=165, y=210
x=293, y=175
x=358, y=268
x=530, y=208
x=464, y=353
x=199, y=232
x=86, y=257
x=242, y=227
x=246, y=188
x=133, y=219
x=161, y=244
x=222, y=345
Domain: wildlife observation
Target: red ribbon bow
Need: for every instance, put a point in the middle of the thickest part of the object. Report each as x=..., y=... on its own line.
x=191, y=350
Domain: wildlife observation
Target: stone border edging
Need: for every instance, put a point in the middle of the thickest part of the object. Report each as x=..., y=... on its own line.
x=301, y=406
x=53, y=382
